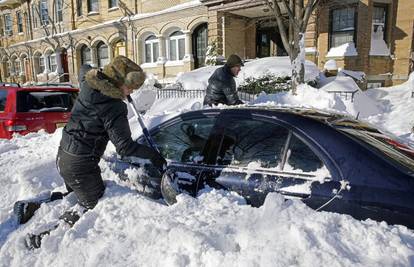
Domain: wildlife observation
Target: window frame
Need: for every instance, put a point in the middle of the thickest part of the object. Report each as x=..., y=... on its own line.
x=79, y=8
x=98, y=49
x=52, y=63
x=8, y=24
x=19, y=18
x=153, y=53
x=82, y=57
x=386, y=22
x=332, y=32
x=59, y=10
x=176, y=39
x=44, y=12
x=91, y=4
x=35, y=15
x=113, y=4
x=42, y=64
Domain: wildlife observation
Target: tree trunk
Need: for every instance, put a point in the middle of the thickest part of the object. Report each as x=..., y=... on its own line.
x=297, y=58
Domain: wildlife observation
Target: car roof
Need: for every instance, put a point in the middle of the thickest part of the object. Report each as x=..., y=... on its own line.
x=46, y=88
x=333, y=119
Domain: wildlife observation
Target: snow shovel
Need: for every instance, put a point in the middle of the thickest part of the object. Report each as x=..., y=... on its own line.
x=145, y=131
x=169, y=186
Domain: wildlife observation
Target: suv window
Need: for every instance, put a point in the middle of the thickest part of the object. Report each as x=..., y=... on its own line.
x=300, y=157
x=58, y=101
x=3, y=98
x=246, y=141
x=185, y=140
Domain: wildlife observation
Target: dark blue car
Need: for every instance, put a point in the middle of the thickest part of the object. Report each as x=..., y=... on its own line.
x=329, y=161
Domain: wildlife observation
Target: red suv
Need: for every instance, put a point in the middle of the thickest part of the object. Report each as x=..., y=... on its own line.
x=29, y=109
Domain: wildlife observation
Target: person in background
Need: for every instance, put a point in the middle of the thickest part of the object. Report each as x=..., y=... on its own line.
x=221, y=87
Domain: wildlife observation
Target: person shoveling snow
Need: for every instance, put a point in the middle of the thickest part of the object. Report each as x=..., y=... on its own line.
x=99, y=115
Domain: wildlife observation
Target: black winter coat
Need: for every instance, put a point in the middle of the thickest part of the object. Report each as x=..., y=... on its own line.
x=100, y=115
x=221, y=88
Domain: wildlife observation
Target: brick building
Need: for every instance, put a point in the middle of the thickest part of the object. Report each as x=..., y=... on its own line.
x=48, y=40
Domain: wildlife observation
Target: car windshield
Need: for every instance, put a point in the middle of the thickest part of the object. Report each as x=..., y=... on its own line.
x=396, y=151
x=45, y=101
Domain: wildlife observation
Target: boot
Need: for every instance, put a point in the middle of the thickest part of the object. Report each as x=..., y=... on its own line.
x=25, y=209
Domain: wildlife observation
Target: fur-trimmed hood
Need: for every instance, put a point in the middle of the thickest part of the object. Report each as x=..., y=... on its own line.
x=95, y=80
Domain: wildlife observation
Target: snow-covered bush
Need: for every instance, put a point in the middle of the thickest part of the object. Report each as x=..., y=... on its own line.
x=212, y=56
x=268, y=83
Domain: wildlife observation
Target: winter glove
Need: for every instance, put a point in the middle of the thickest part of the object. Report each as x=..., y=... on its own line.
x=159, y=162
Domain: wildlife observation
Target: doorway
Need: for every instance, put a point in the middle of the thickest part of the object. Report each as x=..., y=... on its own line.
x=200, y=45
x=269, y=43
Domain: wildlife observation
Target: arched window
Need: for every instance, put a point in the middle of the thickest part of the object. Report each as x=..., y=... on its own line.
x=85, y=55
x=151, y=49
x=17, y=67
x=176, y=47
x=41, y=64
x=51, y=58
x=103, y=56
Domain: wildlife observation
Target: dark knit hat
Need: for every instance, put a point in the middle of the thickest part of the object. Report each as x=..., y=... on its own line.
x=234, y=60
x=123, y=71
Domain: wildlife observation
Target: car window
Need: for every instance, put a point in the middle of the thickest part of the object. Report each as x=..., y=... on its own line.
x=247, y=141
x=392, y=149
x=185, y=140
x=3, y=98
x=300, y=157
x=57, y=101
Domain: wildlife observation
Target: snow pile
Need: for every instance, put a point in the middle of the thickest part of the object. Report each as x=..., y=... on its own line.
x=277, y=66
x=215, y=229
x=345, y=50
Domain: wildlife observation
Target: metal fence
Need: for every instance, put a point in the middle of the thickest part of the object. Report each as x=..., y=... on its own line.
x=180, y=93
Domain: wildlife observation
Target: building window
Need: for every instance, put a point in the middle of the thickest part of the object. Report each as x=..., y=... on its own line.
x=41, y=64
x=34, y=15
x=59, y=10
x=151, y=49
x=176, y=46
x=379, y=21
x=79, y=7
x=113, y=3
x=52, y=62
x=17, y=67
x=10, y=71
x=8, y=24
x=93, y=6
x=103, y=56
x=342, y=26
x=86, y=55
x=44, y=13
x=19, y=22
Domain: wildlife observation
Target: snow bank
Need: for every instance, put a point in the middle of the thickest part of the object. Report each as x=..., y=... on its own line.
x=215, y=229
x=277, y=66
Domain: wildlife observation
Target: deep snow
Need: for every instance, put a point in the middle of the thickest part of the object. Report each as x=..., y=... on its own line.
x=215, y=229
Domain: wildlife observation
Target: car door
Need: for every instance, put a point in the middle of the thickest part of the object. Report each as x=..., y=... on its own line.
x=183, y=143
x=258, y=155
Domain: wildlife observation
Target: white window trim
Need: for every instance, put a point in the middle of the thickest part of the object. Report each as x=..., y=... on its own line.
x=57, y=11
x=151, y=43
x=177, y=49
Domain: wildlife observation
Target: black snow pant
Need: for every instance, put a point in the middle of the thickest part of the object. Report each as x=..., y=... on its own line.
x=82, y=175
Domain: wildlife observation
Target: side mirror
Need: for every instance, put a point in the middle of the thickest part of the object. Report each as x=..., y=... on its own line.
x=169, y=187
